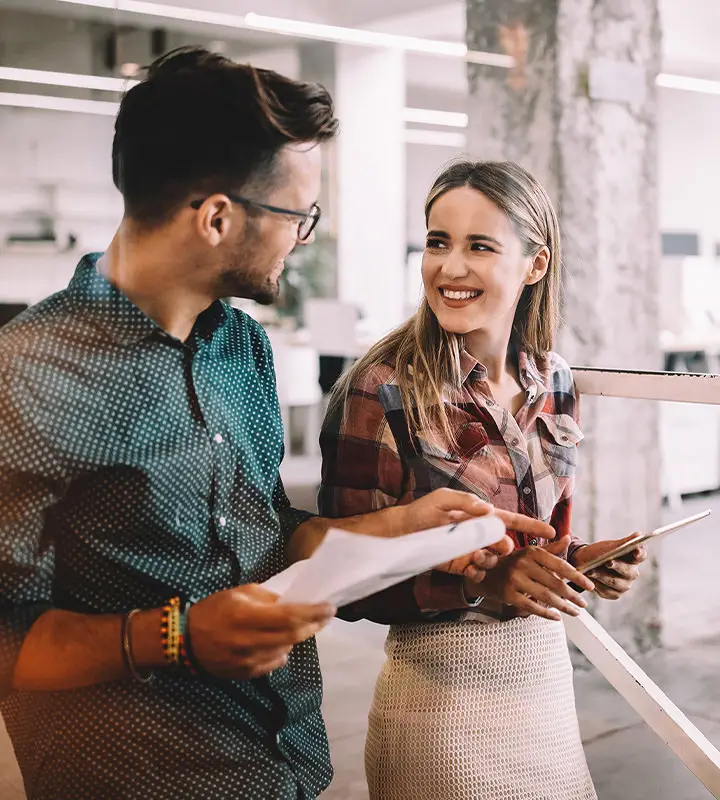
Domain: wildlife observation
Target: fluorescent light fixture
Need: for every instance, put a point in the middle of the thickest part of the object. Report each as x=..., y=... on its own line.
x=303, y=30
x=687, y=84
x=437, y=138
x=335, y=33
x=428, y=116
x=65, y=79
x=58, y=103
x=165, y=12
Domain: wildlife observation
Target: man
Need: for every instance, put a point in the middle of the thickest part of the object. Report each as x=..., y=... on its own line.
x=139, y=455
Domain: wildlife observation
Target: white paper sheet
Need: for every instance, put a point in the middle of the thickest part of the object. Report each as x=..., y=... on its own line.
x=349, y=566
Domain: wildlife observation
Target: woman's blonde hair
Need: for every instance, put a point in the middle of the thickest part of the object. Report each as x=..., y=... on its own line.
x=425, y=356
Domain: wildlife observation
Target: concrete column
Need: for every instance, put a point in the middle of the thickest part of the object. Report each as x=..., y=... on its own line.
x=579, y=110
x=370, y=188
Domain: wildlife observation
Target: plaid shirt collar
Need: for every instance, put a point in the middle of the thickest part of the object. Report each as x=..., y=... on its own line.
x=531, y=379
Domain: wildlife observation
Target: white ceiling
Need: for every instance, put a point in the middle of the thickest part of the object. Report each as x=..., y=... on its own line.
x=690, y=36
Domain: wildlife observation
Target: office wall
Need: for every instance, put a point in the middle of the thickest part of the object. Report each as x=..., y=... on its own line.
x=690, y=165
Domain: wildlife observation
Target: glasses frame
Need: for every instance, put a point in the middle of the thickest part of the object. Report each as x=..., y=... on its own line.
x=307, y=220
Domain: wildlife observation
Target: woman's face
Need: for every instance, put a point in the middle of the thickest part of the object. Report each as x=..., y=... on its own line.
x=473, y=268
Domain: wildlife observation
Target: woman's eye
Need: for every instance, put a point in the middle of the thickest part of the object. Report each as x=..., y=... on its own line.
x=434, y=244
x=479, y=247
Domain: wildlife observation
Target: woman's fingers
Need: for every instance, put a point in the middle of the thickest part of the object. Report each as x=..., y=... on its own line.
x=528, y=605
x=561, y=568
x=554, y=591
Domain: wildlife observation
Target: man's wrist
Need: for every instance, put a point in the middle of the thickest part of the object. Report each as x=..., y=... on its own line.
x=147, y=649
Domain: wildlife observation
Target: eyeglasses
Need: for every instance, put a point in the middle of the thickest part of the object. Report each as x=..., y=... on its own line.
x=307, y=220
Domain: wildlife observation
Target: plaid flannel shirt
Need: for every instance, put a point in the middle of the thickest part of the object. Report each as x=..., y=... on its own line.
x=524, y=463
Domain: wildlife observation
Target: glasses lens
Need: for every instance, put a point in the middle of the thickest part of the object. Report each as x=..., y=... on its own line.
x=307, y=226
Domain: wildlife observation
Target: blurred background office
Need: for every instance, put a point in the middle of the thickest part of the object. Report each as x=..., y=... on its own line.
x=614, y=105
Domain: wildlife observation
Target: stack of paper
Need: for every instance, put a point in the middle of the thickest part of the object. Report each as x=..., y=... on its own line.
x=349, y=566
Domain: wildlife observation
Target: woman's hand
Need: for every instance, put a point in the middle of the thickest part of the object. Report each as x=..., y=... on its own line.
x=475, y=565
x=613, y=579
x=534, y=581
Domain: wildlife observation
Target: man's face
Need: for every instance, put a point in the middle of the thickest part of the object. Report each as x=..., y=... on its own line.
x=254, y=259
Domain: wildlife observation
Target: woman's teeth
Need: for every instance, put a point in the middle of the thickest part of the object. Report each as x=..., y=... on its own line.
x=453, y=295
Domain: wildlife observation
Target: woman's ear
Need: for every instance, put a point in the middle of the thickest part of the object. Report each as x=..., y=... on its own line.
x=538, y=266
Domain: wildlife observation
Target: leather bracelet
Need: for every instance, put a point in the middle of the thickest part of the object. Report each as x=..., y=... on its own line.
x=188, y=660
x=127, y=651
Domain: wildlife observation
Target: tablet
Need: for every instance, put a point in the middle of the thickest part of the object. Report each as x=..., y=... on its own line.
x=641, y=538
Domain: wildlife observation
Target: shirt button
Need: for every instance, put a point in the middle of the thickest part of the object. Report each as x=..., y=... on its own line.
x=515, y=442
x=223, y=522
x=218, y=438
x=527, y=490
x=564, y=438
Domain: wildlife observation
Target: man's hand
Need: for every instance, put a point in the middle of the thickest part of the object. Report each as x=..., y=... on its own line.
x=613, y=579
x=445, y=506
x=244, y=632
x=533, y=580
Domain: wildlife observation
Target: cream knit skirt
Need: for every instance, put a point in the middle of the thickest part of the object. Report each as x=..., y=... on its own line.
x=475, y=711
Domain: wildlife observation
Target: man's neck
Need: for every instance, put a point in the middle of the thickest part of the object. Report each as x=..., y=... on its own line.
x=154, y=278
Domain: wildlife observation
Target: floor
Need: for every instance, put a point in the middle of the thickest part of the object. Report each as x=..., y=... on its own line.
x=627, y=760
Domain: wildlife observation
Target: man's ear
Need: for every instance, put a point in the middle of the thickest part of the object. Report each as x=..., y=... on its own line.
x=215, y=218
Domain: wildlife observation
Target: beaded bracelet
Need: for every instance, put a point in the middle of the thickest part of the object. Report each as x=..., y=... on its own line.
x=170, y=631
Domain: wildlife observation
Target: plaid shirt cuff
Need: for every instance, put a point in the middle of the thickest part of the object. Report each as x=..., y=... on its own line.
x=436, y=592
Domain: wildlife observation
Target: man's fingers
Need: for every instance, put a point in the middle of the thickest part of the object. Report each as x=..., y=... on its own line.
x=255, y=640
x=452, y=500
x=279, y=616
x=523, y=524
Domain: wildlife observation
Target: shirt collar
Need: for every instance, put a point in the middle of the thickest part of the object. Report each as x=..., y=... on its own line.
x=531, y=378
x=118, y=315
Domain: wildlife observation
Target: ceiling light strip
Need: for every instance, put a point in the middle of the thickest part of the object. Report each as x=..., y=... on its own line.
x=300, y=29
x=48, y=103
x=436, y=138
x=429, y=116
x=69, y=79
x=163, y=11
x=687, y=84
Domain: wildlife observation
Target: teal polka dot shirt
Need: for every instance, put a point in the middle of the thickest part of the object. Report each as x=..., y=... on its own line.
x=134, y=467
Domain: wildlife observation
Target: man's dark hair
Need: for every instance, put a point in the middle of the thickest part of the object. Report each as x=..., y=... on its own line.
x=202, y=123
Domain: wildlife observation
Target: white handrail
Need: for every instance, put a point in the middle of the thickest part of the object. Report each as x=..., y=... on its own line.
x=690, y=745
x=681, y=387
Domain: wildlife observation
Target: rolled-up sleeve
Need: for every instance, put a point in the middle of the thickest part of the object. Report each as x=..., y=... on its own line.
x=32, y=480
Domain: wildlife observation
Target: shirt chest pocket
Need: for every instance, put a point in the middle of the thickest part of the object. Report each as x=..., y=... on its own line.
x=470, y=465
x=559, y=436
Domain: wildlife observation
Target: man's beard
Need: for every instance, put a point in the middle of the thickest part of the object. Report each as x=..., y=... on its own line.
x=233, y=284
x=241, y=281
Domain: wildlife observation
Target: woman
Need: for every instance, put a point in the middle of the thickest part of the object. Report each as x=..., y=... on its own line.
x=476, y=697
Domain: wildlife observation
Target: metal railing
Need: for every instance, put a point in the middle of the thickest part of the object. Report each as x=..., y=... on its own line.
x=688, y=743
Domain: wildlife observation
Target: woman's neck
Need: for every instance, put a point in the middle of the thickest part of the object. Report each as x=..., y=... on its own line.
x=491, y=350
